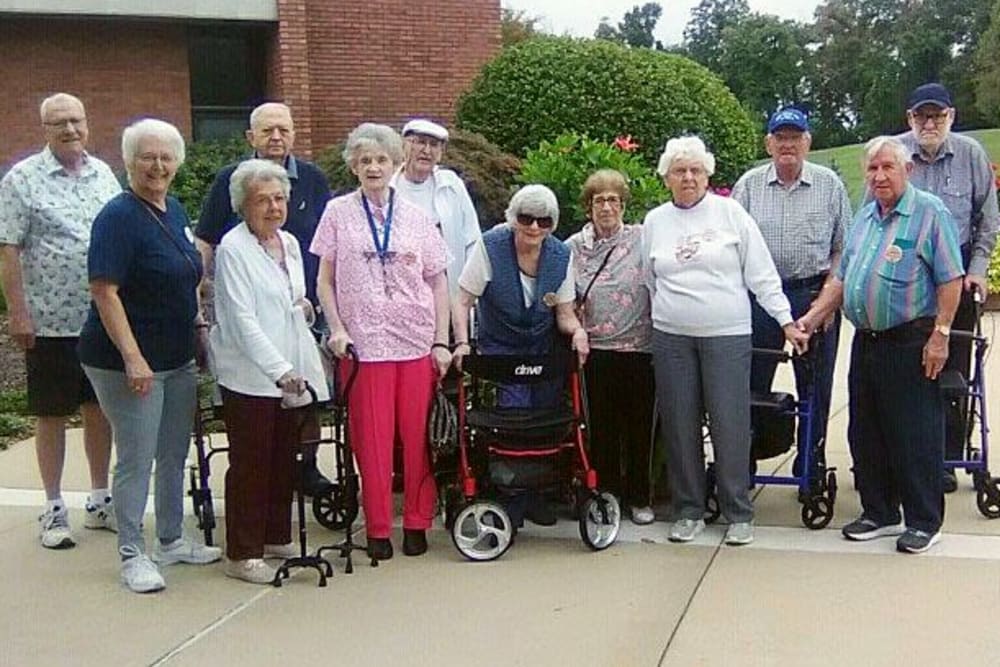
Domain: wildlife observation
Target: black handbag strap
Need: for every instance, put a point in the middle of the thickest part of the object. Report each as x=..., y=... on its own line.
x=593, y=278
x=166, y=231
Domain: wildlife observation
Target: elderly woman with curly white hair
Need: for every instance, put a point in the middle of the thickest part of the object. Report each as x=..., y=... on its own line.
x=521, y=278
x=383, y=288
x=703, y=254
x=263, y=355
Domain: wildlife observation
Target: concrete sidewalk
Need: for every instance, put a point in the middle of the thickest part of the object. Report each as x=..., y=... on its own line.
x=795, y=597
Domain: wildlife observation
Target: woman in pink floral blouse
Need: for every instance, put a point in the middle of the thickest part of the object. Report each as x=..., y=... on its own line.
x=383, y=289
x=607, y=260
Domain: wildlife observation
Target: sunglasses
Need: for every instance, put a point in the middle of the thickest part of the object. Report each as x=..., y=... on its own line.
x=544, y=222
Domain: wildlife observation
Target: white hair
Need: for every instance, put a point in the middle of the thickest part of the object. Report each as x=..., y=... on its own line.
x=267, y=106
x=255, y=171
x=535, y=200
x=373, y=135
x=896, y=147
x=686, y=148
x=151, y=127
x=53, y=99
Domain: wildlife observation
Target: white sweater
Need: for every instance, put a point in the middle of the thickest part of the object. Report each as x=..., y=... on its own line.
x=700, y=263
x=260, y=334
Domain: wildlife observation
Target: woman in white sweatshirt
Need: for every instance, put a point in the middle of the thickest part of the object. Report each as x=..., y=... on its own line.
x=703, y=253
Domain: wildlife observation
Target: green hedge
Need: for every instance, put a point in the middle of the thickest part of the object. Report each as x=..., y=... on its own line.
x=548, y=86
x=203, y=161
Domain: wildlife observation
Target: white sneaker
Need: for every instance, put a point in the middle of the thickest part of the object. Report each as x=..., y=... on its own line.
x=100, y=517
x=739, y=533
x=254, y=570
x=685, y=530
x=139, y=573
x=282, y=551
x=183, y=550
x=54, y=530
x=642, y=516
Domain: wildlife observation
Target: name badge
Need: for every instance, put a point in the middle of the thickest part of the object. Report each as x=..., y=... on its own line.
x=893, y=254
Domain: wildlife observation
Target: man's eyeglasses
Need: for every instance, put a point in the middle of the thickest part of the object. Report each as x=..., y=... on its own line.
x=544, y=222
x=938, y=118
x=425, y=141
x=612, y=201
x=58, y=124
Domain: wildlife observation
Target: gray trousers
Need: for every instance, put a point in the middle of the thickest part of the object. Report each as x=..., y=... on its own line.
x=147, y=428
x=695, y=376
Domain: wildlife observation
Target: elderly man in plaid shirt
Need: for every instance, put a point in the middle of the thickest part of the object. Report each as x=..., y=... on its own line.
x=802, y=210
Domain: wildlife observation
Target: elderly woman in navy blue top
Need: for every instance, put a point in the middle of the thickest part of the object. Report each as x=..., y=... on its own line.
x=138, y=347
x=521, y=279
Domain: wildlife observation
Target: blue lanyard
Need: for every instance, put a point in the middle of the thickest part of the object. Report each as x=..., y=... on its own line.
x=381, y=249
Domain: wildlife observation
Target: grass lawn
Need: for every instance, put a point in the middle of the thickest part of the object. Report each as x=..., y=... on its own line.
x=848, y=160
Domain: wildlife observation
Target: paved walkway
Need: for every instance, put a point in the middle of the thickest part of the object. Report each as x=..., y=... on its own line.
x=795, y=597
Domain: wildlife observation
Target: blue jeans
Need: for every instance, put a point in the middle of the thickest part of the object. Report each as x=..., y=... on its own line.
x=147, y=428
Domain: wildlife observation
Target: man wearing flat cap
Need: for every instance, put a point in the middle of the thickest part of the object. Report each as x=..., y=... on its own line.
x=802, y=210
x=955, y=168
x=439, y=191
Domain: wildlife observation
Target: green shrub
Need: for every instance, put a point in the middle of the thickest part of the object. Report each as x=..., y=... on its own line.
x=203, y=161
x=993, y=272
x=565, y=163
x=548, y=86
x=488, y=172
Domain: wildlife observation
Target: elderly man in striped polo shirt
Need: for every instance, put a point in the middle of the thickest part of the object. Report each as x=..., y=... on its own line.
x=900, y=280
x=802, y=210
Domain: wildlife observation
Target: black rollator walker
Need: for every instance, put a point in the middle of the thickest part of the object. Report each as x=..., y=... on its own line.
x=972, y=391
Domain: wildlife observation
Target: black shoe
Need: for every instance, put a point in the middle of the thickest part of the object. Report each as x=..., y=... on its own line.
x=379, y=548
x=314, y=483
x=949, y=481
x=414, y=542
x=541, y=513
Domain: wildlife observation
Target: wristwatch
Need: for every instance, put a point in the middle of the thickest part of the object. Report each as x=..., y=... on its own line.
x=943, y=329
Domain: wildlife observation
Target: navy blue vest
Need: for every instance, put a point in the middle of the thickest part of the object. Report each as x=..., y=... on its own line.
x=505, y=325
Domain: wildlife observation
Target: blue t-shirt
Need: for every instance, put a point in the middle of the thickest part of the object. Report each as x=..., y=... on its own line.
x=310, y=193
x=157, y=270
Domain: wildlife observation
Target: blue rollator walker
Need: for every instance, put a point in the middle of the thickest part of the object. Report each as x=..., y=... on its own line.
x=955, y=386
x=774, y=416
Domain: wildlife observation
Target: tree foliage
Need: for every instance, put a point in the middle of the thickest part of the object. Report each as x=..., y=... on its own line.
x=636, y=27
x=202, y=161
x=517, y=26
x=546, y=87
x=704, y=32
x=987, y=77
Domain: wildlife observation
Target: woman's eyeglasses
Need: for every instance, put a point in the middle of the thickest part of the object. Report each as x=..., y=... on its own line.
x=544, y=222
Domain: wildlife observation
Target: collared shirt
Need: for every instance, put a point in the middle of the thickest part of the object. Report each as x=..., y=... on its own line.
x=617, y=311
x=891, y=266
x=803, y=225
x=310, y=193
x=48, y=213
x=961, y=176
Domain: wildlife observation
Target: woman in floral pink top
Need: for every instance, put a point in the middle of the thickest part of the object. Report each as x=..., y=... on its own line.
x=383, y=289
x=607, y=260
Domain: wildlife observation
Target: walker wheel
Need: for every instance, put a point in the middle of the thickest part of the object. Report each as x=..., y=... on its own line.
x=600, y=519
x=817, y=513
x=334, y=508
x=482, y=531
x=988, y=498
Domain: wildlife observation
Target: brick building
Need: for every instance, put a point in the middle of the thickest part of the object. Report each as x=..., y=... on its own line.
x=203, y=64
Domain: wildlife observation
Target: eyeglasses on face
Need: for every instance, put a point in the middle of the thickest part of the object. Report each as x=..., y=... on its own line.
x=922, y=117
x=612, y=200
x=425, y=141
x=544, y=222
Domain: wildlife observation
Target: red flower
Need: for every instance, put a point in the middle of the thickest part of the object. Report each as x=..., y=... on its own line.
x=721, y=190
x=625, y=143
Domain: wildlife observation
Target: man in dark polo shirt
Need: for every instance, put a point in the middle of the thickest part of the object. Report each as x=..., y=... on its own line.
x=272, y=135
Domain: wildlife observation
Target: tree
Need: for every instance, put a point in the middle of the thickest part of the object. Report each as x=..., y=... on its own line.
x=516, y=26
x=987, y=70
x=703, y=33
x=636, y=27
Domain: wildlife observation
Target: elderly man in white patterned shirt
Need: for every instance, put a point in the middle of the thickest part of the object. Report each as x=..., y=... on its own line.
x=802, y=210
x=48, y=202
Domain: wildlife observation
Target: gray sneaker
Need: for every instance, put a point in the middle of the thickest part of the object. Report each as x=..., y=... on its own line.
x=53, y=529
x=739, y=533
x=183, y=550
x=139, y=573
x=915, y=541
x=863, y=528
x=100, y=517
x=685, y=530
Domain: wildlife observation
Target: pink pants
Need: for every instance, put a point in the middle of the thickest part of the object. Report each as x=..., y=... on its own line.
x=390, y=399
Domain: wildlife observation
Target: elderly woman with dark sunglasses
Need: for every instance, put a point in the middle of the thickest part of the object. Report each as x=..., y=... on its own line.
x=521, y=278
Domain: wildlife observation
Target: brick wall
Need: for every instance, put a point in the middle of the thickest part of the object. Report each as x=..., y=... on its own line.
x=121, y=71
x=378, y=60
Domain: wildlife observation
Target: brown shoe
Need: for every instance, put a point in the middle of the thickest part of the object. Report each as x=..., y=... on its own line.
x=414, y=542
x=379, y=548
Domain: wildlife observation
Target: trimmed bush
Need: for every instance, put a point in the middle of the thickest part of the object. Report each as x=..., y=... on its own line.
x=565, y=163
x=488, y=172
x=203, y=161
x=548, y=86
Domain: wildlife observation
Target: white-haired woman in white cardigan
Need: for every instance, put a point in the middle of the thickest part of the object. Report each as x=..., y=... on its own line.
x=703, y=254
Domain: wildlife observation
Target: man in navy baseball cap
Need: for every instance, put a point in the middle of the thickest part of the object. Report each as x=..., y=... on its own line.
x=788, y=117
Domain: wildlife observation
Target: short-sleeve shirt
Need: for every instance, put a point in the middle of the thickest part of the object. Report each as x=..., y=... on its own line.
x=478, y=273
x=150, y=255
x=47, y=213
x=892, y=265
x=386, y=306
